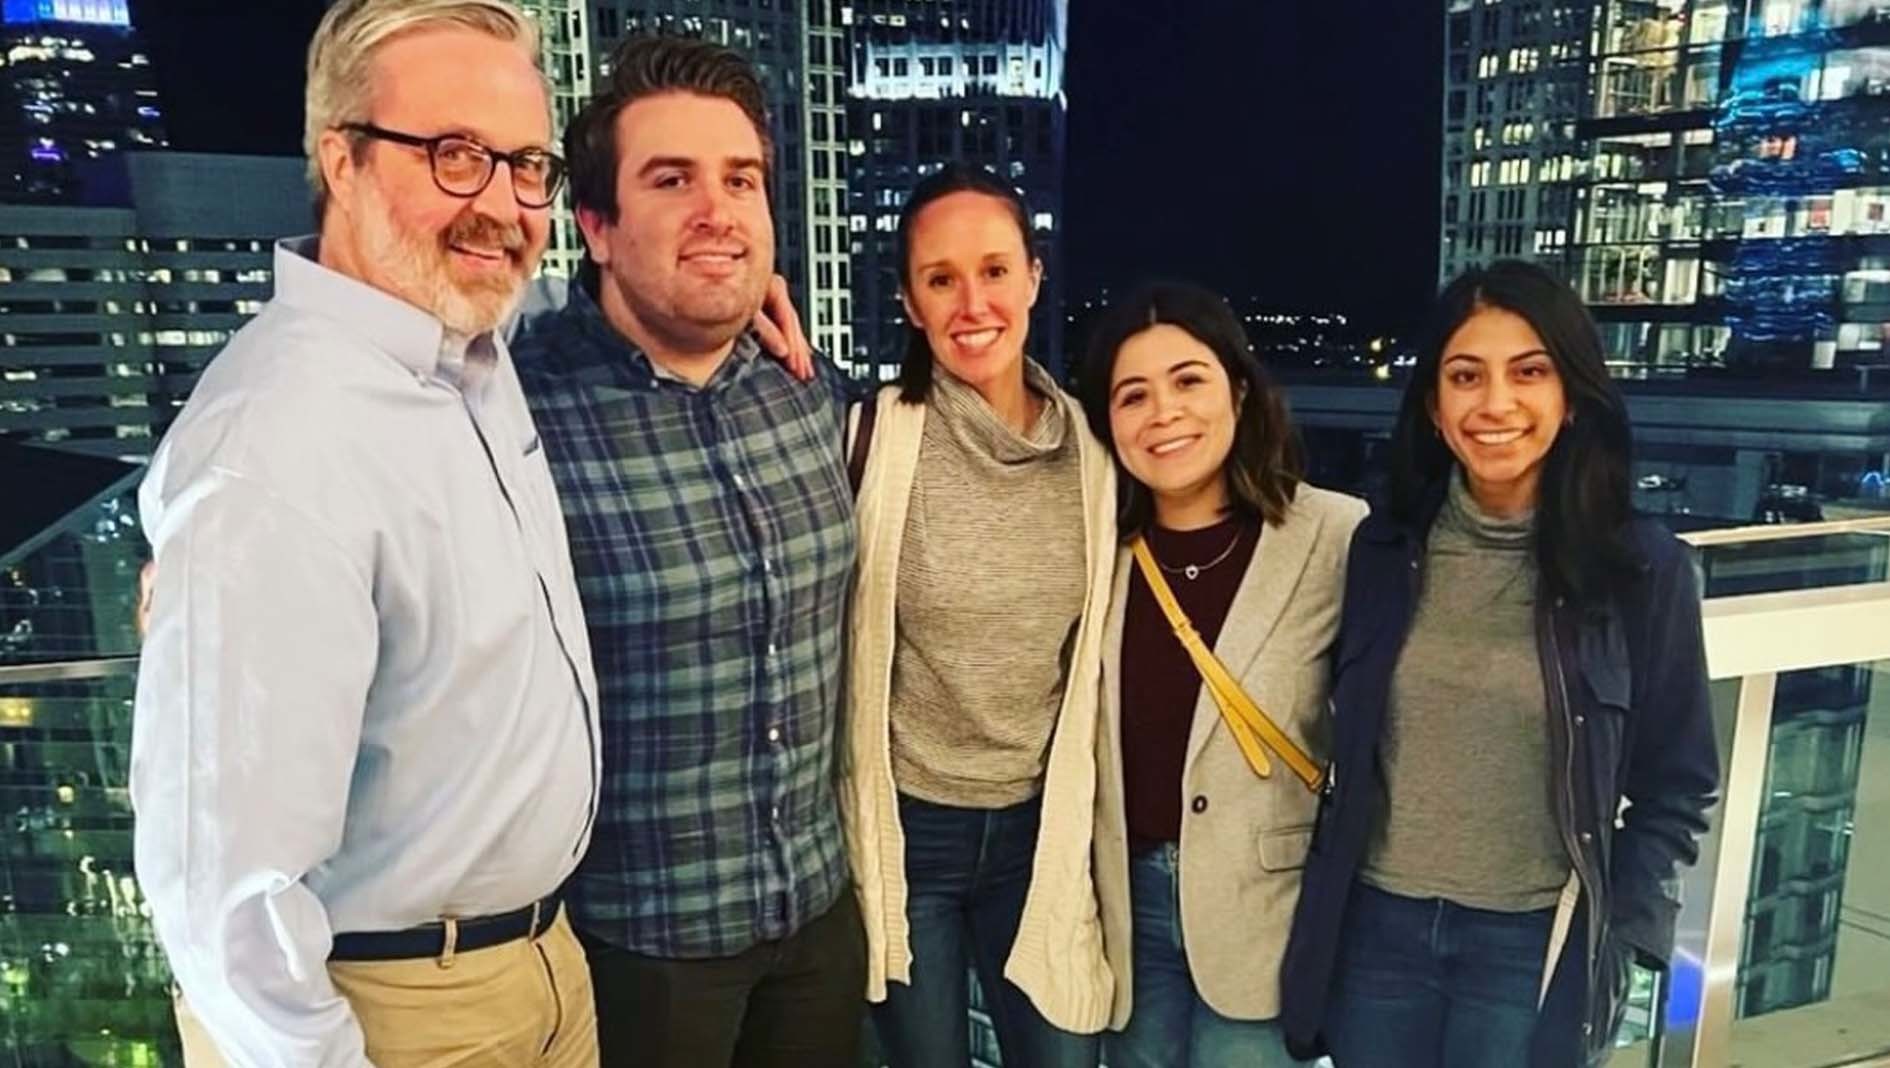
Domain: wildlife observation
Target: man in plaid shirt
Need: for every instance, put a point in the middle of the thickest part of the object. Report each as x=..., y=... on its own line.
x=711, y=528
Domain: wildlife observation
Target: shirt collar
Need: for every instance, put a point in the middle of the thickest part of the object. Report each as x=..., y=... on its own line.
x=409, y=334
x=613, y=349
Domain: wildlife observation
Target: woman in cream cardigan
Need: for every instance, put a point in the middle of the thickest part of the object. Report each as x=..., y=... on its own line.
x=1203, y=817
x=987, y=545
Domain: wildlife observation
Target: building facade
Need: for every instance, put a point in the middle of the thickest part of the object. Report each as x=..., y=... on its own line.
x=108, y=314
x=975, y=81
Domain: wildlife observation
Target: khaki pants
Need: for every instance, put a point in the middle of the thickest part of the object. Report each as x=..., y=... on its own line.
x=523, y=1003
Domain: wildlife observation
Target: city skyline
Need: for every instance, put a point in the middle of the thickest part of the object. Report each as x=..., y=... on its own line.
x=1323, y=166
x=1177, y=171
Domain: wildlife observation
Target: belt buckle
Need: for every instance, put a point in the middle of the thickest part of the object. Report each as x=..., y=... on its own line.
x=537, y=909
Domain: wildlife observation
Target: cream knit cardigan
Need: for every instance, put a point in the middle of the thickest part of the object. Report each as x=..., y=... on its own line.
x=1057, y=958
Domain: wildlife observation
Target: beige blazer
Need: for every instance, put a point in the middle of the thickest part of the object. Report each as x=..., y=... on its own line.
x=1057, y=958
x=1243, y=838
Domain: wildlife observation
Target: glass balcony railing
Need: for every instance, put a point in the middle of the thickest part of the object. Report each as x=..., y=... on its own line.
x=1784, y=955
x=82, y=980
x=1785, y=936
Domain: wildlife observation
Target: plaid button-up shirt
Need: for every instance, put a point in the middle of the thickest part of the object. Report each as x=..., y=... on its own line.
x=712, y=533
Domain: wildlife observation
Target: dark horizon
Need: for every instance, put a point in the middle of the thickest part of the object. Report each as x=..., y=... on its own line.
x=1286, y=156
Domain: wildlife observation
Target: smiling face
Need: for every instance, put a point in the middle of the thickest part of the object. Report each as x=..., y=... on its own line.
x=970, y=285
x=463, y=259
x=1499, y=405
x=1172, y=415
x=688, y=258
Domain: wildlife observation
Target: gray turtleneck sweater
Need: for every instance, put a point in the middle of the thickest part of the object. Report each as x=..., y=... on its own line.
x=991, y=584
x=1469, y=814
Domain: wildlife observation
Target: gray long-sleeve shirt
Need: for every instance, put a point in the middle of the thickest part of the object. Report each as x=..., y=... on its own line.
x=1468, y=815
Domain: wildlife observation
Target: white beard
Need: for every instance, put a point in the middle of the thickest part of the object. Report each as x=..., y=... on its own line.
x=417, y=270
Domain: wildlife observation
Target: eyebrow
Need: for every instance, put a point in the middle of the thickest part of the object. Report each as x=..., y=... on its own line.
x=734, y=163
x=1142, y=379
x=466, y=134
x=986, y=258
x=1134, y=380
x=1507, y=360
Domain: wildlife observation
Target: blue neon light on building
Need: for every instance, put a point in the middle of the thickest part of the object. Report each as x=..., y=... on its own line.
x=89, y=12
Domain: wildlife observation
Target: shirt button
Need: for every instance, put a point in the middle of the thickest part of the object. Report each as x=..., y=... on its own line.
x=1199, y=804
x=771, y=649
x=1587, y=838
x=1579, y=720
x=774, y=734
x=741, y=483
x=775, y=814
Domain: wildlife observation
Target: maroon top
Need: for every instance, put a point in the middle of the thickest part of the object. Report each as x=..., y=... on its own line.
x=1159, y=681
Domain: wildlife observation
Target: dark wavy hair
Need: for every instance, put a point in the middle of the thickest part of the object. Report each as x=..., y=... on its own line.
x=650, y=66
x=915, y=369
x=1264, y=467
x=1585, y=502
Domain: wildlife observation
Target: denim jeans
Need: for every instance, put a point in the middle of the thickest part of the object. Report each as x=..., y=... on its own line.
x=967, y=872
x=1431, y=984
x=1171, y=1026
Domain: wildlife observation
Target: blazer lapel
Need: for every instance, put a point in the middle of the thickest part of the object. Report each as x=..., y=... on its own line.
x=1264, y=594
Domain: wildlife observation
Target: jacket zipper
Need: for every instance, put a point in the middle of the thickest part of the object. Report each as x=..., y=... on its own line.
x=1558, y=696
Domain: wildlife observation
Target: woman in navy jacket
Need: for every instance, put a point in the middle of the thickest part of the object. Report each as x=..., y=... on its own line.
x=1517, y=656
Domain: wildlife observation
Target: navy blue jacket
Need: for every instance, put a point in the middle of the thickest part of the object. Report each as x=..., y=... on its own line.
x=1630, y=718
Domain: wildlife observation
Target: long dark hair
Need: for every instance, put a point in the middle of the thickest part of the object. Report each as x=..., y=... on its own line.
x=915, y=369
x=1584, y=503
x=1263, y=467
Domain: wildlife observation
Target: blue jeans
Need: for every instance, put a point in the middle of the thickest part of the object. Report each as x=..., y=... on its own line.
x=967, y=872
x=1431, y=984
x=1171, y=1027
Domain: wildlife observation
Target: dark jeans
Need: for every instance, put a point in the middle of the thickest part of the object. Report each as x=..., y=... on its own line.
x=1172, y=1026
x=1431, y=984
x=967, y=871
x=794, y=1003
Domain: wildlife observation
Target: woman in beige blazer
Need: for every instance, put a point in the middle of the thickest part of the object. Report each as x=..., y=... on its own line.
x=1197, y=852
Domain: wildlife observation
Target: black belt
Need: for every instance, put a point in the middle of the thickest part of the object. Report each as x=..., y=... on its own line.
x=429, y=941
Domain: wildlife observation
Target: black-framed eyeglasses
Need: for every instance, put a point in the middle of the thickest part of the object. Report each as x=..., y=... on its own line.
x=463, y=167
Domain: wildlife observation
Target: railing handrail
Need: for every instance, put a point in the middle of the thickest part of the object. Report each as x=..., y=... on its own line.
x=98, y=667
x=1701, y=539
x=1792, y=630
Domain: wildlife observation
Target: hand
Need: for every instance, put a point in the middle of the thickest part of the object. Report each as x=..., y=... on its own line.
x=778, y=326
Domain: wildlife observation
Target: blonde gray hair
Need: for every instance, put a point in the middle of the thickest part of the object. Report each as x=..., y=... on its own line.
x=340, y=88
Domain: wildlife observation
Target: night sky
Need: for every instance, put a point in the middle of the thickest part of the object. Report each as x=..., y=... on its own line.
x=1279, y=151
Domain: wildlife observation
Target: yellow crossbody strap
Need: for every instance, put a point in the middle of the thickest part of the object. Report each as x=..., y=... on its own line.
x=1254, y=732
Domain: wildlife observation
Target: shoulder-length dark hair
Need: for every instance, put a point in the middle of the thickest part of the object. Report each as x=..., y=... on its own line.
x=915, y=369
x=1263, y=468
x=1584, y=504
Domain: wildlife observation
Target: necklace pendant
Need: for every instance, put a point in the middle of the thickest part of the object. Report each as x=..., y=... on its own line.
x=1192, y=571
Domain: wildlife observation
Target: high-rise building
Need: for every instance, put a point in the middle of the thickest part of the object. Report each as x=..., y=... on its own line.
x=565, y=54
x=829, y=310
x=940, y=80
x=1645, y=212
x=76, y=86
x=108, y=314
x=772, y=34
x=1515, y=84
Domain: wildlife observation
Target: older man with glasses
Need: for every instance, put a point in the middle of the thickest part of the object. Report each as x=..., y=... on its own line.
x=365, y=753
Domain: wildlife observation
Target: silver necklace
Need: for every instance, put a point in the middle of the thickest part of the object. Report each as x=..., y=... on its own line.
x=1193, y=571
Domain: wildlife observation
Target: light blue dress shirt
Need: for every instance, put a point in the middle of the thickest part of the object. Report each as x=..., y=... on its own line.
x=366, y=700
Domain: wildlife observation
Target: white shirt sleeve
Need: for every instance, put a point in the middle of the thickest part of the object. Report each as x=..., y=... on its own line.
x=248, y=719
